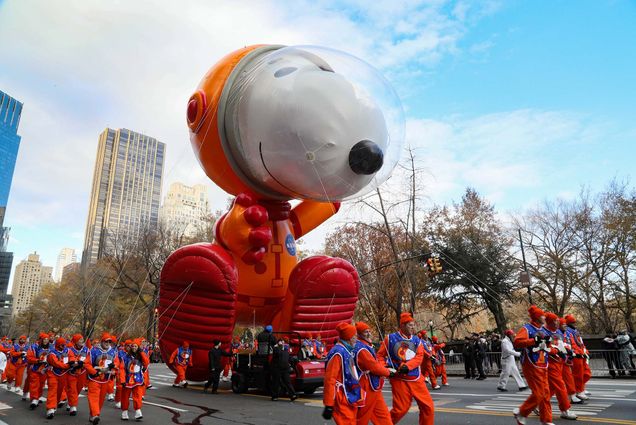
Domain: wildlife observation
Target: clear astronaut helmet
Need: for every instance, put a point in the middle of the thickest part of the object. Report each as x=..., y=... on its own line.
x=307, y=122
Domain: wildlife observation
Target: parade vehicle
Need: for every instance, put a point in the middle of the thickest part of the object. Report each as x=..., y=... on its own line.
x=251, y=370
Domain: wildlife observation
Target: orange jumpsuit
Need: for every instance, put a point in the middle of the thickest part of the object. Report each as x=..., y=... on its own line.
x=36, y=357
x=374, y=409
x=405, y=389
x=580, y=368
x=17, y=356
x=57, y=375
x=568, y=378
x=76, y=379
x=536, y=375
x=427, y=363
x=440, y=368
x=344, y=413
x=9, y=372
x=181, y=358
x=98, y=378
x=132, y=382
x=555, y=375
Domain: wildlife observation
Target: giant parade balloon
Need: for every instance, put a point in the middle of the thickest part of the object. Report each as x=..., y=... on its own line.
x=272, y=124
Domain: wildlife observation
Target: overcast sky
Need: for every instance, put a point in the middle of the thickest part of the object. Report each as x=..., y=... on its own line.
x=522, y=100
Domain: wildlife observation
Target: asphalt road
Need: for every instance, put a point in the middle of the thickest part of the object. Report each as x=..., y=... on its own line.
x=463, y=402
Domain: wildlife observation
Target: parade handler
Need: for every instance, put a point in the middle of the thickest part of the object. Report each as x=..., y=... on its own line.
x=101, y=366
x=60, y=358
x=558, y=355
x=403, y=351
x=181, y=359
x=372, y=374
x=342, y=394
x=132, y=369
x=535, y=342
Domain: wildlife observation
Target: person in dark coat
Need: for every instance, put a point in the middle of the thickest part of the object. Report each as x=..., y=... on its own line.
x=479, y=348
x=469, y=360
x=280, y=370
x=266, y=341
x=610, y=353
x=495, y=348
x=215, y=356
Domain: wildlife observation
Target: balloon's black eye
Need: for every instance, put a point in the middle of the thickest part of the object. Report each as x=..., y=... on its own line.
x=284, y=71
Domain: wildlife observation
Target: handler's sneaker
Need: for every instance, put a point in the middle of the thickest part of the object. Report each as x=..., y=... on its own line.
x=575, y=400
x=446, y=384
x=118, y=405
x=587, y=392
x=73, y=411
x=50, y=413
x=18, y=391
x=138, y=415
x=111, y=397
x=582, y=396
x=437, y=387
x=94, y=420
x=566, y=414
x=34, y=404
x=521, y=420
x=547, y=423
x=25, y=395
x=124, y=415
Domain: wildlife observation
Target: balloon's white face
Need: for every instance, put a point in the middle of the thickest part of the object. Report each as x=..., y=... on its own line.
x=307, y=129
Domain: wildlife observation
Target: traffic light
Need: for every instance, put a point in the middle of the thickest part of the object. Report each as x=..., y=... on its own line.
x=437, y=265
x=434, y=266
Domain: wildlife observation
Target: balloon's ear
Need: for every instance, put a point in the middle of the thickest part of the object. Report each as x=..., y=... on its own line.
x=197, y=106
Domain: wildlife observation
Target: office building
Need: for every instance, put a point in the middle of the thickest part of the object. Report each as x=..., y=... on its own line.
x=70, y=269
x=64, y=258
x=126, y=190
x=10, y=112
x=185, y=209
x=30, y=276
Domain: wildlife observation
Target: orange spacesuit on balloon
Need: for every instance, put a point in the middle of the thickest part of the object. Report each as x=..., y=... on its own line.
x=257, y=136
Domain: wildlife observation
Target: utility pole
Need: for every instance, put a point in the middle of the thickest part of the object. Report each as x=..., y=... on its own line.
x=525, y=275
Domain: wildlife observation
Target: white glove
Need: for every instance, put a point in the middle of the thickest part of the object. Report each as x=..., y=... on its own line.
x=561, y=347
x=391, y=370
x=516, y=354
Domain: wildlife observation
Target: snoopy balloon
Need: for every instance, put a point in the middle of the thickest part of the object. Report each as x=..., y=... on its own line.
x=274, y=124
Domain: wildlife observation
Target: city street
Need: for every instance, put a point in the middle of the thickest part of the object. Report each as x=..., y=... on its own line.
x=463, y=402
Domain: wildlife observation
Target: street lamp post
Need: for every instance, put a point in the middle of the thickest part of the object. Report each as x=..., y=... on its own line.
x=430, y=325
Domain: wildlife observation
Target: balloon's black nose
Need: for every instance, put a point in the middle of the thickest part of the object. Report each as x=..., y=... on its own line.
x=366, y=157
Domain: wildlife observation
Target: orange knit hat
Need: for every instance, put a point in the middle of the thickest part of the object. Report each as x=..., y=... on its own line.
x=405, y=318
x=551, y=316
x=361, y=327
x=569, y=319
x=345, y=330
x=535, y=312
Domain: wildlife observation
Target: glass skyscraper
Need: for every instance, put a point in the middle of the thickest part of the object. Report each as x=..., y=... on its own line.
x=10, y=111
x=126, y=190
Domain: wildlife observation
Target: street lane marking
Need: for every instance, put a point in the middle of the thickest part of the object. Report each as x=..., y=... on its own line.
x=165, y=406
x=487, y=413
